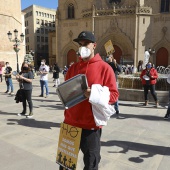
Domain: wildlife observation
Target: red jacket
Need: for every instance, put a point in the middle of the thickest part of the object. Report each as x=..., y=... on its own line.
x=153, y=76
x=97, y=72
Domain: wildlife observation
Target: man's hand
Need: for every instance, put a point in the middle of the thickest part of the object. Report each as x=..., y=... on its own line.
x=21, y=77
x=114, y=60
x=17, y=76
x=87, y=92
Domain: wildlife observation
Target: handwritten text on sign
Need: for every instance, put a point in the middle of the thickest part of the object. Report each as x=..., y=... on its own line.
x=68, y=146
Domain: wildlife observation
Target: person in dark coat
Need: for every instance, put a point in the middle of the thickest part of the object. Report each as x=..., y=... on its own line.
x=56, y=71
x=25, y=82
x=116, y=68
x=167, y=116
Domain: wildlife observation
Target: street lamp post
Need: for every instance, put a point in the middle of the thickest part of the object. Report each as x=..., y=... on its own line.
x=17, y=43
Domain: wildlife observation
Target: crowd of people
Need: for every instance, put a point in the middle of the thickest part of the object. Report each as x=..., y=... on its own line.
x=97, y=71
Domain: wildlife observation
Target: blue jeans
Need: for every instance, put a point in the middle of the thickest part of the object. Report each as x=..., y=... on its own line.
x=9, y=84
x=42, y=84
x=116, y=106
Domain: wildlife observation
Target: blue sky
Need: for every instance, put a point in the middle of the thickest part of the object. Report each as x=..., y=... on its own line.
x=44, y=3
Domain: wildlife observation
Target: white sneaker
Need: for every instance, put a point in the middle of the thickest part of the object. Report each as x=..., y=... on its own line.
x=29, y=116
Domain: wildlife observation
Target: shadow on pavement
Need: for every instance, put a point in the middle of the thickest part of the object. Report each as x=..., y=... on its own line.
x=149, y=150
x=6, y=113
x=44, y=100
x=52, y=107
x=141, y=105
x=33, y=123
x=144, y=117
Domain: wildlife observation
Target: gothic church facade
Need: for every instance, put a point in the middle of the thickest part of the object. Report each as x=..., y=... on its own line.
x=133, y=26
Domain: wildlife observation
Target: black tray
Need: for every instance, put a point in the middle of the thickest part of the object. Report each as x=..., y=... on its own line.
x=71, y=92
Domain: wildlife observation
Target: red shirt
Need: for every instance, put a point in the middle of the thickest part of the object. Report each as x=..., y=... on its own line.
x=97, y=72
x=153, y=74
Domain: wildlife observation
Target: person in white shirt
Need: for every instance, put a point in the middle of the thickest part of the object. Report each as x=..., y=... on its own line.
x=44, y=69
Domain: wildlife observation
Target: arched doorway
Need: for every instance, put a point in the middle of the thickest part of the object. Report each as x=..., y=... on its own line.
x=162, y=57
x=117, y=54
x=71, y=56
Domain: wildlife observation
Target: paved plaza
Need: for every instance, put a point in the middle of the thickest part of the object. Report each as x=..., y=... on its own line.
x=139, y=139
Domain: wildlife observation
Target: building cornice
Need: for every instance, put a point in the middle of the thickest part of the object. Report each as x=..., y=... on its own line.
x=11, y=17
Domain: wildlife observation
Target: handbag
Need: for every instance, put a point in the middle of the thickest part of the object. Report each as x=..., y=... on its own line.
x=18, y=96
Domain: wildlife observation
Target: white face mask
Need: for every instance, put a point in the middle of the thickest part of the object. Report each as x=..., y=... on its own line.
x=107, y=59
x=84, y=52
x=42, y=63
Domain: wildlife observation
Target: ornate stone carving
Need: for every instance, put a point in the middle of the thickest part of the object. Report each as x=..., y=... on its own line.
x=144, y=10
x=164, y=30
x=122, y=10
x=70, y=34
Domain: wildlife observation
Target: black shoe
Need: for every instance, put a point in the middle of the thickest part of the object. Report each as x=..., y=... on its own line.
x=40, y=95
x=7, y=91
x=54, y=86
x=166, y=116
x=21, y=114
x=117, y=112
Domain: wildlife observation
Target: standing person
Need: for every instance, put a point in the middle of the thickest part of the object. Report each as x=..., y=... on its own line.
x=1, y=72
x=116, y=68
x=56, y=71
x=25, y=81
x=81, y=115
x=65, y=71
x=139, y=67
x=44, y=70
x=8, y=79
x=149, y=76
x=167, y=115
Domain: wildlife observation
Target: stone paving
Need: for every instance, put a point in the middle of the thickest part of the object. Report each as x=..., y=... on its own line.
x=139, y=139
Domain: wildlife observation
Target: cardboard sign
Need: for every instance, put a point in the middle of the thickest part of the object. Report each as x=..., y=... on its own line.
x=68, y=146
x=109, y=47
x=2, y=63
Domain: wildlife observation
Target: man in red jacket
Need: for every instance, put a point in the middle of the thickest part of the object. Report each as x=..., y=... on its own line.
x=149, y=77
x=97, y=72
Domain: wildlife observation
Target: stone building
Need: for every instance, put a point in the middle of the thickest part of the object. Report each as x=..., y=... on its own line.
x=11, y=19
x=52, y=47
x=133, y=26
x=39, y=21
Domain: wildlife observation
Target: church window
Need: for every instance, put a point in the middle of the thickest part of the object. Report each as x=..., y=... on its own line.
x=70, y=11
x=165, y=5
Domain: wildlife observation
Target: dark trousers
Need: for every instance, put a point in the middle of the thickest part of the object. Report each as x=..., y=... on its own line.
x=1, y=77
x=168, y=110
x=90, y=146
x=27, y=96
x=152, y=89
